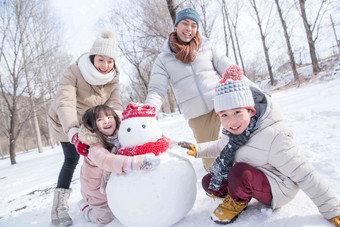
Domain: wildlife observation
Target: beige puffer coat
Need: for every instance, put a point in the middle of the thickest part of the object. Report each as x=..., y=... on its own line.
x=271, y=149
x=98, y=160
x=74, y=96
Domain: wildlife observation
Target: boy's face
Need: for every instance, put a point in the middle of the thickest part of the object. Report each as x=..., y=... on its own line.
x=235, y=120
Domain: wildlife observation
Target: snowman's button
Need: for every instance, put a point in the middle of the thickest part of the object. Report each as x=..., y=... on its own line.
x=128, y=129
x=143, y=126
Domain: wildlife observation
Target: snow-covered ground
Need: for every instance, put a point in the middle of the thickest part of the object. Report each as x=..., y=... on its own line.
x=311, y=111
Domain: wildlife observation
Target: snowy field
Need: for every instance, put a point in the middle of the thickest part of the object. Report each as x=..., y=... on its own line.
x=311, y=111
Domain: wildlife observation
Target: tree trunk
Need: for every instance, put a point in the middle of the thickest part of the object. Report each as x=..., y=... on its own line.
x=30, y=92
x=289, y=46
x=12, y=133
x=172, y=9
x=309, y=34
x=225, y=30
x=231, y=34
x=265, y=48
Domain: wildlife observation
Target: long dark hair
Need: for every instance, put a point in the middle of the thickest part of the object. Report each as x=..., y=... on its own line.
x=89, y=122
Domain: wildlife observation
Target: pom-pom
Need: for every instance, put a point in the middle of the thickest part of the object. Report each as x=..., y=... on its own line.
x=108, y=34
x=233, y=72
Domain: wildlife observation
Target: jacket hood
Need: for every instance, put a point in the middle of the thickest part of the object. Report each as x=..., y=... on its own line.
x=87, y=137
x=269, y=111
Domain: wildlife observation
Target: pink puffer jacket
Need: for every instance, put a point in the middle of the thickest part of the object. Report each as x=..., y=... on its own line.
x=98, y=160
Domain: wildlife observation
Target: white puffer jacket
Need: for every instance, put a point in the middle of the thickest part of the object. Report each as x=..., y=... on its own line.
x=193, y=84
x=271, y=149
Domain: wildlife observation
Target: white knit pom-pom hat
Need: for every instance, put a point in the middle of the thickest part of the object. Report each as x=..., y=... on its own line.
x=106, y=45
x=233, y=91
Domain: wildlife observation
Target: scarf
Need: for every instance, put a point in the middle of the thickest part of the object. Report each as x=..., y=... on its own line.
x=157, y=147
x=185, y=53
x=91, y=74
x=223, y=163
x=106, y=174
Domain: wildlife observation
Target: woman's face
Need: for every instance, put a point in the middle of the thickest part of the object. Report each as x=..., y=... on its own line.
x=186, y=30
x=103, y=63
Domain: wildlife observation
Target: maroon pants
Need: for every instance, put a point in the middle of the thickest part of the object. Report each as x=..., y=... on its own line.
x=244, y=182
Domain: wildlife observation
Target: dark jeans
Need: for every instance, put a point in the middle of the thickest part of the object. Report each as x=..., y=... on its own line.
x=70, y=163
x=244, y=182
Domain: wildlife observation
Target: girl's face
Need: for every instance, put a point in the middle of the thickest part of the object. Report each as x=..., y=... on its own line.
x=236, y=120
x=186, y=30
x=103, y=63
x=106, y=124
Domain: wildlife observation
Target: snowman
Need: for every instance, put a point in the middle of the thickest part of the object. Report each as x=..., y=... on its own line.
x=158, y=197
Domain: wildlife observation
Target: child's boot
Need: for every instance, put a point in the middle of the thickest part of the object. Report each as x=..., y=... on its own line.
x=59, y=213
x=227, y=211
x=84, y=208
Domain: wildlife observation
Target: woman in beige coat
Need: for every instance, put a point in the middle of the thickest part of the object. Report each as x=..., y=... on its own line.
x=92, y=80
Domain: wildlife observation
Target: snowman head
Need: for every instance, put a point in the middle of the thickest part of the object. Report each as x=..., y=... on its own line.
x=139, y=125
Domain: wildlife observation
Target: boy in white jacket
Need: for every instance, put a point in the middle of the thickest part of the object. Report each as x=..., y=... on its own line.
x=256, y=155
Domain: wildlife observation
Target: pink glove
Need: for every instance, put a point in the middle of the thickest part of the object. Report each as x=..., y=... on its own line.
x=82, y=149
x=140, y=163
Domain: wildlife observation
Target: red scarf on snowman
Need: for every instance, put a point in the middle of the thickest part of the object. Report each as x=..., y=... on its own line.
x=157, y=147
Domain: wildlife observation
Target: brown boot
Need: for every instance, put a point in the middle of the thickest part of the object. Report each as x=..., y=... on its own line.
x=227, y=211
x=59, y=213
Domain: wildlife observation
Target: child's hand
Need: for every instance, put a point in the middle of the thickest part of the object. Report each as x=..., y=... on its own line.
x=150, y=162
x=335, y=221
x=141, y=162
x=191, y=147
x=82, y=149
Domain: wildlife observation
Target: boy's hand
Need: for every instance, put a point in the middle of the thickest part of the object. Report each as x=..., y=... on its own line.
x=191, y=148
x=335, y=221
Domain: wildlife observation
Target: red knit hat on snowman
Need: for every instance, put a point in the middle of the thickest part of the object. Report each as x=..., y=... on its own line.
x=233, y=91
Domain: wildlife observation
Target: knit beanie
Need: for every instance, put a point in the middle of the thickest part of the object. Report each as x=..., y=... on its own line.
x=106, y=45
x=187, y=13
x=138, y=110
x=233, y=91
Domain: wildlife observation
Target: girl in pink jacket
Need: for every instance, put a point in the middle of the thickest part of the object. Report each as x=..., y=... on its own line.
x=99, y=131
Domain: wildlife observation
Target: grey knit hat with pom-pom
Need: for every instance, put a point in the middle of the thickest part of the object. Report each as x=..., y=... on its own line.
x=106, y=45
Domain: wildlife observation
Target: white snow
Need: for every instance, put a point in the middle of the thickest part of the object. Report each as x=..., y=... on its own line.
x=311, y=111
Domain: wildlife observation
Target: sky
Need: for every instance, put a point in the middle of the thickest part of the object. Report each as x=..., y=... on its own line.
x=311, y=111
x=80, y=21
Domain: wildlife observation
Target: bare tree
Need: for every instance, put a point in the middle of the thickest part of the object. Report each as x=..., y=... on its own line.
x=310, y=29
x=263, y=34
x=142, y=41
x=226, y=15
x=207, y=21
x=21, y=54
x=289, y=46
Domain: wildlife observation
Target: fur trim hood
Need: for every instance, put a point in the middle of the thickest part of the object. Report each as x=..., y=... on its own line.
x=87, y=137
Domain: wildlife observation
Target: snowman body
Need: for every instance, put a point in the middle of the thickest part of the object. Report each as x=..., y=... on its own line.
x=158, y=197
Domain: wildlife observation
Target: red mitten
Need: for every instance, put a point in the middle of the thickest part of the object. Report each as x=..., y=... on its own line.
x=82, y=149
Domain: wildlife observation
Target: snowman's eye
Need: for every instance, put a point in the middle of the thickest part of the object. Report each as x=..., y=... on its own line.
x=128, y=129
x=143, y=126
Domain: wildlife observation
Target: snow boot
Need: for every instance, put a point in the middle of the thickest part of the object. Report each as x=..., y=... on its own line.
x=214, y=196
x=84, y=208
x=227, y=211
x=59, y=213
